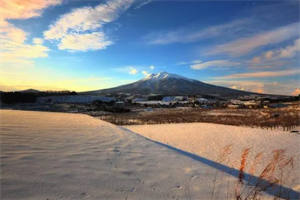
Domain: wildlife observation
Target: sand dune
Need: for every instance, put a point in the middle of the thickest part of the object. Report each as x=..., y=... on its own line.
x=74, y=156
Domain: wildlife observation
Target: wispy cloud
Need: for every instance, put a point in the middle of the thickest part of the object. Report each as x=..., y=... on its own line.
x=244, y=45
x=296, y=92
x=189, y=62
x=263, y=74
x=214, y=63
x=84, y=42
x=13, y=53
x=187, y=34
x=128, y=69
x=253, y=86
x=274, y=87
x=81, y=29
x=277, y=54
x=23, y=9
x=152, y=67
x=145, y=73
x=14, y=50
x=142, y=3
x=133, y=70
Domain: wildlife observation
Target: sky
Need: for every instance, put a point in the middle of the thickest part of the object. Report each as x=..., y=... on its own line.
x=84, y=45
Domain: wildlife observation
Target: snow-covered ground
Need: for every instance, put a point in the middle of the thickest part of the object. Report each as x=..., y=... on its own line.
x=73, y=156
x=226, y=144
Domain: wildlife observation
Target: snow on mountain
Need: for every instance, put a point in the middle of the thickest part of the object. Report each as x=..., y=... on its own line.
x=164, y=83
x=164, y=75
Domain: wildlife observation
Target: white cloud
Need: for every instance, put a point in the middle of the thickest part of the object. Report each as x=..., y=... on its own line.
x=275, y=54
x=84, y=42
x=244, y=45
x=214, y=63
x=86, y=23
x=142, y=3
x=16, y=9
x=152, y=67
x=37, y=41
x=133, y=71
x=290, y=51
x=196, y=61
x=189, y=63
x=146, y=73
x=14, y=50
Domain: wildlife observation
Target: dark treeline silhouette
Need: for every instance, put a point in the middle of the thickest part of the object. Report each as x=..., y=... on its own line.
x=29, y=97
x=155, y=98
x=286, y=99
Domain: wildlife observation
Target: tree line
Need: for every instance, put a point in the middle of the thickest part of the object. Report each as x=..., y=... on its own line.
x=29, y=97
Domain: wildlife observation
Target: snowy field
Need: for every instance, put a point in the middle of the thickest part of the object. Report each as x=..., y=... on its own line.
x=225, y=144
x=47, y=156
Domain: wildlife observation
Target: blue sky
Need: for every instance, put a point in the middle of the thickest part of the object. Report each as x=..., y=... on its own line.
x=88, y=45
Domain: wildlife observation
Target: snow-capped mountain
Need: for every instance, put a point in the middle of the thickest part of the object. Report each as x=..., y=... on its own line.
x=163, y=75
x=164, y=83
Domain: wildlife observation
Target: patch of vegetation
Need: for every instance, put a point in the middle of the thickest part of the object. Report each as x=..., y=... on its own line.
x=286, y=118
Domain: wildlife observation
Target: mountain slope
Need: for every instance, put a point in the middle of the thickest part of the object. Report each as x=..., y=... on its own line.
x=171, y=84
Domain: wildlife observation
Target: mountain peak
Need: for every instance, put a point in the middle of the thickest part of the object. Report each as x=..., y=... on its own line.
x=164, y=83
x=163, y=75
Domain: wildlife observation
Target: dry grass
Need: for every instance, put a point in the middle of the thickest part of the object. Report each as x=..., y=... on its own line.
x=224, y=157
x=286, y=118
x=277, y=171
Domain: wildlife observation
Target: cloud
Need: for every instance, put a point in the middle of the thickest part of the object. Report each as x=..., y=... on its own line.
x=187, y=34
x=244, y=45
x=252, y=86
x=14, y=51
x=24, y=51
x=283, y=88
x=296, y=92
x=256, y=60
x=142, y=3
x=146, y=73
x=23, y=9
x=37, y=41
x=263, y=74
x=269, y=54
x=290, y=51
x=152, y=67
x=275, y=54
x=189, y=63
x=133, y=71
x=214, y=63
x=84, y=42
x=84, y=26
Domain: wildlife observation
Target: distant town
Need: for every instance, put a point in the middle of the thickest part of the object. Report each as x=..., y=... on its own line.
x=126, y=108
